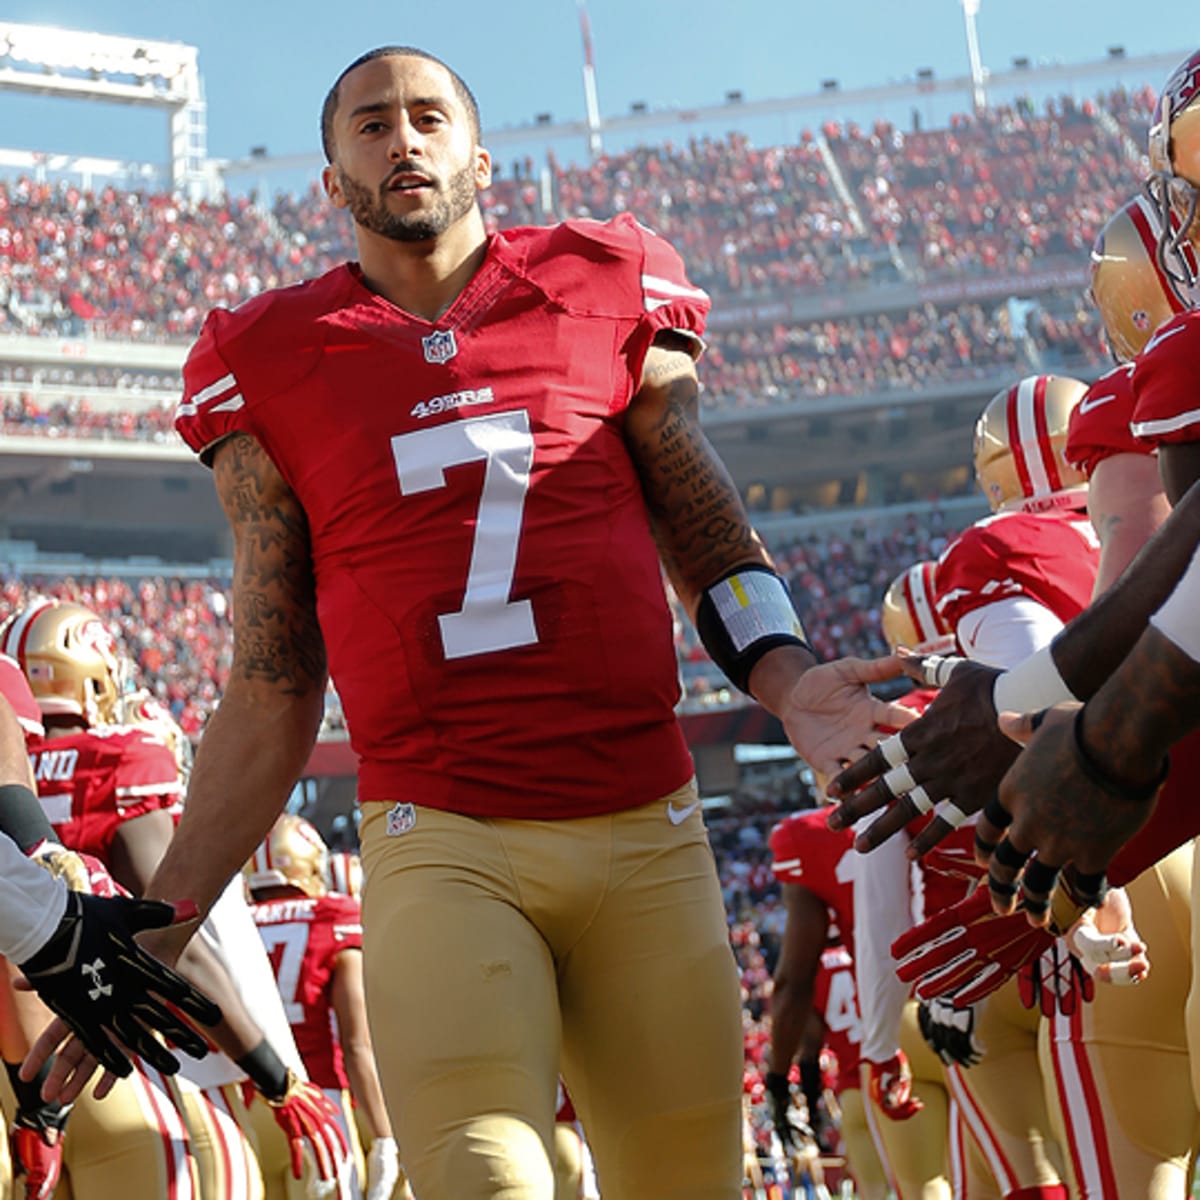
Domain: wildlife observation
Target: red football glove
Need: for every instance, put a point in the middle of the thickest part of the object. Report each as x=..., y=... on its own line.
x=891, y=1088
x=36, y=1160
x=1055, y=980
x=307, y=1116
x=966, y=951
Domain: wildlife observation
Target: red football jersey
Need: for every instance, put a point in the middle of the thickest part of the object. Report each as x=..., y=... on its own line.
x=91, y=782
x=1166, y=406
x=487, y=584
x=836, y=1000
x=1099, y=423
x=16, y=690
x=1050, y=557
x=303, y=936
x=805, y=851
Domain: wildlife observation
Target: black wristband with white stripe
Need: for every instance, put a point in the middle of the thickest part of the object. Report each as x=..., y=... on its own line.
x=742, y=616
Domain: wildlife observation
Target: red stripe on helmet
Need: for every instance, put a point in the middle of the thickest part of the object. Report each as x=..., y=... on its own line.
x=1045, y=446
x=1014, y=442
x=1141, y=225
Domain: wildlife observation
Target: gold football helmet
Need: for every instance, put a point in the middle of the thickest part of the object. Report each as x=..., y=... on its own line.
x=72, y=662
x=1175, y=131
x=1019, y=441
x=345, y=874
x=293, y=855
x=908, y=615
x=142, y=709
x=1129, y=286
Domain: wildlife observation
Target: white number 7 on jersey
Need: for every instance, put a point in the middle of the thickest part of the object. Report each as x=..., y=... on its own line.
x=488, y=620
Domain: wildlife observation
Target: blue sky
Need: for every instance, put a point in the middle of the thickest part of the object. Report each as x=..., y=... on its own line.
x=267, y=64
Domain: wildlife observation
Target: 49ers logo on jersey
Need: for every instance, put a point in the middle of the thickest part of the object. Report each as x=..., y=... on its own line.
x=464, y=399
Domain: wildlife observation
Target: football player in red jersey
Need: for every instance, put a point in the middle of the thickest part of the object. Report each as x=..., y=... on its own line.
x=452, y=469
x=109, y=790
x=815, y=867
x=314, y=940
x=32, y=905
x=1137, y=633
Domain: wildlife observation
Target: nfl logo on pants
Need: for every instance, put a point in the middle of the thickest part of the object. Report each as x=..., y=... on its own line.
x=400, y=819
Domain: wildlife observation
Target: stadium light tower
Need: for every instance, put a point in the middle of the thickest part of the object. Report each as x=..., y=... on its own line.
x=595, y=146
x=978, y=76
x=80, y=65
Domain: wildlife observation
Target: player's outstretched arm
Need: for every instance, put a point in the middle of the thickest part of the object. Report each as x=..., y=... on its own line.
x=954, y=753
x=258, y=741
x=725, y=579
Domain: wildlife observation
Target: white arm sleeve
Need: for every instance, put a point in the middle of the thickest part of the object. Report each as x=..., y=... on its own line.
x=32, y=903
x=1006, y=632
x=882, y=911
x=1179, y=617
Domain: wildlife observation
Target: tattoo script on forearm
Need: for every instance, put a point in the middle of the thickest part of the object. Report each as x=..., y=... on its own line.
x=276, y=636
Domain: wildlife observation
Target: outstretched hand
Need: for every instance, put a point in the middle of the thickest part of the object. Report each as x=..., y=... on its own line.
x=111, y=994
x=954, y=752
x=830, y=715
x=1051, y=810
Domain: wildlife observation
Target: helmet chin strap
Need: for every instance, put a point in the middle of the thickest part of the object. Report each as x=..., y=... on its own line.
x=1177, y=203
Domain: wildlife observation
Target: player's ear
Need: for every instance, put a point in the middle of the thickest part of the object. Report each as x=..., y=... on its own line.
x=331, y=181
x=483, y=168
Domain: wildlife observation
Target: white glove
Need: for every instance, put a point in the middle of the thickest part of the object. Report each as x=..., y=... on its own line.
x=1107, y=944
x=383, y=1168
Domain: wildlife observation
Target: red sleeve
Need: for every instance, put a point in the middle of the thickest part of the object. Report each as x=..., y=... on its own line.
x=1166, y=383
x=1099, y=423
x=15, y=689
x=213, y=405
x=669, y=299
x=146, y=777
x=972, y=572
x=345, y=917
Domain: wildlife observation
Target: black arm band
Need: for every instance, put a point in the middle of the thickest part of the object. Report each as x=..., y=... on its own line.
x=31, y=1108
x=22, y=818
x=1098, y=775
x=268, y=1072
x=810, y=1082
x=746, y=613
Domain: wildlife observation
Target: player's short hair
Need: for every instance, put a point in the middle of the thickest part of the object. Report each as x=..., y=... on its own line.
x=329, y=108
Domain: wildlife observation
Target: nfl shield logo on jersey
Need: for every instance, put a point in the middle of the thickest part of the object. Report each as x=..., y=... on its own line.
x=400, y=819
x=440, y=346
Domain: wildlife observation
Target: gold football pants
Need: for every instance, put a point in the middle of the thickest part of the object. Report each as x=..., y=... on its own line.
x=498, y=951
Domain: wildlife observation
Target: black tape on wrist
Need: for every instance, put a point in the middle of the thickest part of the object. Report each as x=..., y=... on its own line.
x=737, y=650
x=32, y=1110
x=1119, y=789
x=810, y=1082
x=268, y=1072
x=22, y=818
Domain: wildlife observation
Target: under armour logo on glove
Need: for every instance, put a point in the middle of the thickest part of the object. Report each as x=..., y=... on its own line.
x=92, y=971
x=138, y=996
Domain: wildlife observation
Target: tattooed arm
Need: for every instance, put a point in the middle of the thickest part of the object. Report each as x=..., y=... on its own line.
x=258, y=741
x=703, y=533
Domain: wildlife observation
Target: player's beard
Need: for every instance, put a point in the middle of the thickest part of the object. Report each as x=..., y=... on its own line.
x=370, y=209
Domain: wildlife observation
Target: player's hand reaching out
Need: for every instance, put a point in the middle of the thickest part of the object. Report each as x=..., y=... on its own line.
x=830, y=715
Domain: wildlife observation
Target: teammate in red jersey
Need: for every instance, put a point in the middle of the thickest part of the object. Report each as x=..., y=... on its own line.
x=314, y=940
x=452, y=468
x=815, y=867
x=110, y=790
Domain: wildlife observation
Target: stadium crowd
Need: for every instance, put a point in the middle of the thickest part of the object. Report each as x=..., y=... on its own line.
x=750, y=222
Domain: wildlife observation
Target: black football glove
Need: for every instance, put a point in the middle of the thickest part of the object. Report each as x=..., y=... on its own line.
x=949, y=1031
x=104, y=985
x=780, y=1092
